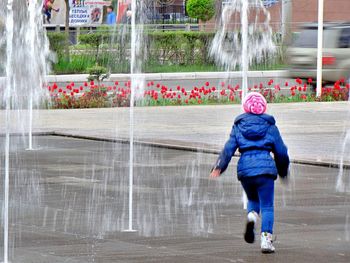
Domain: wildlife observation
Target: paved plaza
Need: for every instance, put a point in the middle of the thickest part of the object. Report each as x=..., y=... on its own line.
x=69, y=197
x=313, y=132
x=69, y=204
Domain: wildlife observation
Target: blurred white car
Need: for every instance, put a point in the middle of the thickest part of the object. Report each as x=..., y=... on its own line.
x=302, y=54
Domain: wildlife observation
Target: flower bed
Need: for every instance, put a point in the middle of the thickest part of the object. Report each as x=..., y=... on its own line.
x=90, y=95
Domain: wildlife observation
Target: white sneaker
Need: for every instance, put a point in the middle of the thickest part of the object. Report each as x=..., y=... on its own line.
x=249, y=234
x=266, y=243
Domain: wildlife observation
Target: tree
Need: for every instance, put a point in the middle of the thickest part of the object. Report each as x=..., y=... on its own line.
x=201, y=9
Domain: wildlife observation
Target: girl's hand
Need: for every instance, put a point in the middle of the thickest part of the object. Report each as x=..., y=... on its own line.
x=285, y=180
x=215, y=173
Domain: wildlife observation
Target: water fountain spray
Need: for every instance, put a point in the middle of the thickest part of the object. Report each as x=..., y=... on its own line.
x=9, y=83
x=137, y=83
x=38, y=46
x=244, y=36
x=131, y=124
x=26, y=52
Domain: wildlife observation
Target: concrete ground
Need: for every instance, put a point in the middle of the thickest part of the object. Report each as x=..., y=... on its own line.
x=313, y=132
x=69, y=203
x=69, y=198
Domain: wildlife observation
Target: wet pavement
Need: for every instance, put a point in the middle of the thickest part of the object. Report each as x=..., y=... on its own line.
x=313, y=132
x=69, y=203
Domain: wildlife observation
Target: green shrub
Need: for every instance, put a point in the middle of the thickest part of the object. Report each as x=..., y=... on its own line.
x=167, y=51
x=95, y=40
x=201, y=9
x=179, y=47
x=98, y=73
x=57, y=42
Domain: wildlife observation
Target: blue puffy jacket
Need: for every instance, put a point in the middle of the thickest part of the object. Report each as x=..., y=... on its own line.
x=256, y=136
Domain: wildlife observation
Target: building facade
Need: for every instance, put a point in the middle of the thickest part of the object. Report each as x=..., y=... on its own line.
x=306, y=11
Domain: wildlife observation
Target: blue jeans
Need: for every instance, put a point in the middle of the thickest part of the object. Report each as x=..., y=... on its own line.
x=260, y=193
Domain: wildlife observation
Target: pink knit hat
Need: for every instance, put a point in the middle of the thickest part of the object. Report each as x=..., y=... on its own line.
x=254, y=103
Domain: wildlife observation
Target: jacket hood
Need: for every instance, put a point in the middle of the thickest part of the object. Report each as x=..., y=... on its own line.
x=253, y=126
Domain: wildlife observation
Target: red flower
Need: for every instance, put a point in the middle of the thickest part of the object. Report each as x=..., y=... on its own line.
x=158, y=85
x=60, y=90
x=81, y=88
x=92, y=83
x=222, y=84
x=299, y=81
x=186, y=101
x=303, y=96
x=213, y=89
x=207, y=83
x=309, y=80
x=72, y=83
x=293, y=93
x=286, y=84
x=337, y=86
x=85, y=84
x=178, y=88
x=199, y=102
x=179, y=96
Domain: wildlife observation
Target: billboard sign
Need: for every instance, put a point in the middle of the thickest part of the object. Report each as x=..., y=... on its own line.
x=82, y=12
